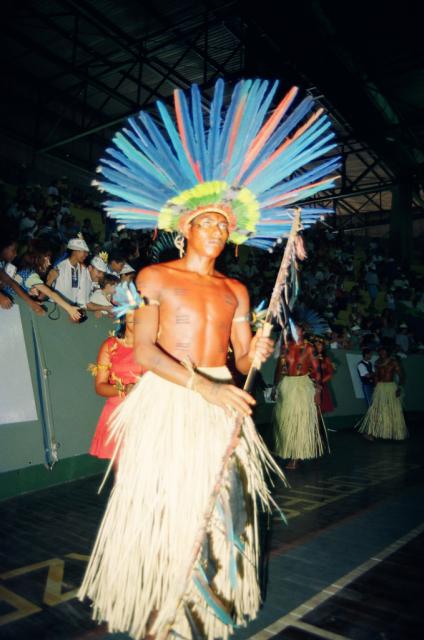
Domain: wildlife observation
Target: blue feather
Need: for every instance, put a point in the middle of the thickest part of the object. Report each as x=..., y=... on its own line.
x=201, y=582
x=215, y=127
x=187, y=172
x=198, y=127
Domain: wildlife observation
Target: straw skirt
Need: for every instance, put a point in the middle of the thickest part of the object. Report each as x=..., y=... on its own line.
x=165, y=560
x=384, y=418
x=296, y=421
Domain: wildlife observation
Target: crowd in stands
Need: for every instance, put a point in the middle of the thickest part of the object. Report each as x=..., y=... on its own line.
x=366, y=298
x=364, y=295
x=47, y=254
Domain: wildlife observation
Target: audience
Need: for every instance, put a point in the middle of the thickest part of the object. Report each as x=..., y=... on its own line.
x=116, y=262
x=127, y=273
x=9, y=285
x=102, y=297
x=67, y=275
x=367, y=299
x=35, y=264
x=91, y=279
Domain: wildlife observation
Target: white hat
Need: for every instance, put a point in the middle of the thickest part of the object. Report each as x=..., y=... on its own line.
x=356, y=327
x=127, y=268
x=99, y=264
x=77, y=244
x=403, y=326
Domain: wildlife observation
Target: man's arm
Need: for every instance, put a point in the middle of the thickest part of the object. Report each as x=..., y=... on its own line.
x=401, y=375
x=72, y=311
x=8, y=281
x=314, y=366
x=149, y=283
x=5, y=301
x=52, y=276
x=93, y=306
x=328, y=370
x=246, y=348
x=364, y=374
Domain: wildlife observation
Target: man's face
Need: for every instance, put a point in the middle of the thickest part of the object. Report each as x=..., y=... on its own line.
x=208, y=233
x=96, y=274
x=110, y=289
x=9, y=253
x=116, y=265
x=80, y=255
x=367, y=356
x=45, y=263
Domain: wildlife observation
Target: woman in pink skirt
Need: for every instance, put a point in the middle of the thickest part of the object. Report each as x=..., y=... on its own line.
x=116, y=373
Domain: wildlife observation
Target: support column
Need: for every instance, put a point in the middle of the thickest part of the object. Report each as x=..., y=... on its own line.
x=401, y=223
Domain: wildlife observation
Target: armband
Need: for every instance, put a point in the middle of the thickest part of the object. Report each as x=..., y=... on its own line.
x=190, y=381
x=245, y=318
x=151, y=302
x=95, y=368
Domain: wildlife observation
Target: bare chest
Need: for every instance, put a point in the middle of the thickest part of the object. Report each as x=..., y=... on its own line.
x=385, y=371
x=198, y=300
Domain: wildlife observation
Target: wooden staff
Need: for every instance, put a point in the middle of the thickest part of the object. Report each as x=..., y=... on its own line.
x=273, y=310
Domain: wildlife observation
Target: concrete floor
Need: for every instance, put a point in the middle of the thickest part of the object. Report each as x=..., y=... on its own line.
x=347, y=565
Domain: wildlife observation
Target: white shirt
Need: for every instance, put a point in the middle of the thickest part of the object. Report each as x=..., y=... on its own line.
x=363, y=370
x=402, y=340
x=98, y=297
x=86, y=288
x=69, y=281
x=27, y=224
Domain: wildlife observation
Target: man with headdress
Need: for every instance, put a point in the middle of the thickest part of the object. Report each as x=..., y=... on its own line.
x=296, y=420
x=384, y=418
x=177, y=550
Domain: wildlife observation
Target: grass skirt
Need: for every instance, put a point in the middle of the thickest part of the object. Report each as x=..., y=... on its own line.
x=384, y=418
x=296, y=422
x=161, y=561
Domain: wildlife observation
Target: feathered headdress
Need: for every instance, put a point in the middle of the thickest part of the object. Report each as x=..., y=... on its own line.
x=312, y=323
x=248, y=162
x=126, y=298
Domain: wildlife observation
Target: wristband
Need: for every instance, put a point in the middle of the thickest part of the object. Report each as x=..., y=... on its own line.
x=190, y=381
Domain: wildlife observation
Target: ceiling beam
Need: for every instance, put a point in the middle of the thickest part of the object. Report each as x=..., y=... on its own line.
x=61, y=62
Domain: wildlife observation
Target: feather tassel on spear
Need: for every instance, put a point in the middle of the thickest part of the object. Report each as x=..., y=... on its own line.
x=281, y=301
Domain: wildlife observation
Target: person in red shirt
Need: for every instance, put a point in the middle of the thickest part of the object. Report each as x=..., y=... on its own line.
x=325, y=370
x=296, y=421
x=116, y=372
x=384, y=418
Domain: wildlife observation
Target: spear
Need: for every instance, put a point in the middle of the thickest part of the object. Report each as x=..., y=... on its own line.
x=277, y=298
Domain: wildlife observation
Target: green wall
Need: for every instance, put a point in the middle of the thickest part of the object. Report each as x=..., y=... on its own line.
x=63, y=350
x=68, y=405
x=347, y=408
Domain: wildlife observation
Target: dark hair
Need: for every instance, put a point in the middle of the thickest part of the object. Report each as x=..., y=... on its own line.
x=117, y=255
x=8, y=236
x=38, y=250
x=109, y=278
x=120, y=331
x=365, y=352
